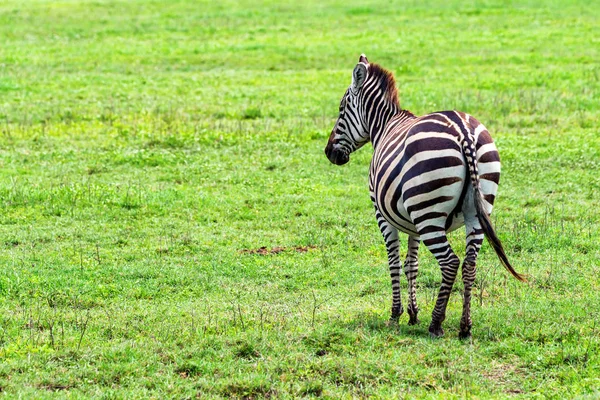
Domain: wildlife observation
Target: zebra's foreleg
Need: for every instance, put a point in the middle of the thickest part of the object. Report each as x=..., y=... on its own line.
x=411, y=268
x=438, y=244
x=390, y=235
x=474, y=241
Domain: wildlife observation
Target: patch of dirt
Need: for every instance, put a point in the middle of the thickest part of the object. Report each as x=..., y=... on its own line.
x=499, y=375
x=54, y=386
x=264, y=251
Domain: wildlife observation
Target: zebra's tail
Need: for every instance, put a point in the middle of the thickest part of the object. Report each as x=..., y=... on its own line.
x=484, y=219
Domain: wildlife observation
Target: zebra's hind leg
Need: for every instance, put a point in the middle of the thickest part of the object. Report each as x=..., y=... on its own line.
x=411, y=268
x=474, y=242
x=436, y=241
x=390, y=235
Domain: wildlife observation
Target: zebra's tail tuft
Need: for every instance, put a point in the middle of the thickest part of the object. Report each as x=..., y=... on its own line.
x=490, y=234
x=484, y=219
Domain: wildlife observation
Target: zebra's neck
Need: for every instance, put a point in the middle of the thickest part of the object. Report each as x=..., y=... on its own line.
x=377, y=125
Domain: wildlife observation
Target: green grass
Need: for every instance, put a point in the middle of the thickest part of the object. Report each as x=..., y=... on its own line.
x=146, y=148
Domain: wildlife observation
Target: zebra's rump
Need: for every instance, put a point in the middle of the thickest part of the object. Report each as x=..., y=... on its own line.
x=419, y=174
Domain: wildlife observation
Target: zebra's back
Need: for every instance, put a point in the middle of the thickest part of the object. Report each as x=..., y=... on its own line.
x=418, y=175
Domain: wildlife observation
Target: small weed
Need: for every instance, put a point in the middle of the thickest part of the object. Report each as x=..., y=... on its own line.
x=248, y=389
x=95, y=169
x=188, y=369
x=312, y=388
x=246, y=350
x=252, y=113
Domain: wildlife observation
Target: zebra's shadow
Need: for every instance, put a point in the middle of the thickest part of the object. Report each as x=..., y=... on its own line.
x=404, y=334
x=376, y=323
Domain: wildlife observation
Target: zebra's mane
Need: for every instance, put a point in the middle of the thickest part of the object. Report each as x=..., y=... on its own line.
x=387, y=84
x=386, y=81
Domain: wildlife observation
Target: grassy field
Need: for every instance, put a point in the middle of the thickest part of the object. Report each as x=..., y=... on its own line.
x=149, y=148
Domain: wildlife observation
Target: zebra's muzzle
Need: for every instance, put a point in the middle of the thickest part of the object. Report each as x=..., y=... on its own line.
x=336, y=154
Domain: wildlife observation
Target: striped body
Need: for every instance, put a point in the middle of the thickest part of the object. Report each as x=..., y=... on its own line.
x=429, y=176
x=418, y=172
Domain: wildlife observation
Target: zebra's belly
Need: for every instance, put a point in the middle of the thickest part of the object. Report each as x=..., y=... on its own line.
x=409, y=231
x=398, y=218
x=407, y=225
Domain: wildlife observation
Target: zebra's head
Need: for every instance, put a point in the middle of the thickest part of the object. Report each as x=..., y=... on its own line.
x=350, y=131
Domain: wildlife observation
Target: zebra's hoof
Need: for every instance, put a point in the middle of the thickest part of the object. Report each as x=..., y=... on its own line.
x=464, y=334
x=436, y=331
x=413, y=320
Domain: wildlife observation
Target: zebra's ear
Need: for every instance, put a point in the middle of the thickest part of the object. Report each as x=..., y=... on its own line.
x=363, y=59
x=358, y=76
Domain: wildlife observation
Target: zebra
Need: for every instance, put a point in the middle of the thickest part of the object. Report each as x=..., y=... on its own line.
x=418, y=184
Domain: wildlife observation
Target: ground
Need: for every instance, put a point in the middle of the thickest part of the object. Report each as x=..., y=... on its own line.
x=171, y=228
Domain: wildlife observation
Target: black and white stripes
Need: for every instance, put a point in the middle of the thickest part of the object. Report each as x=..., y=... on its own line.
x=429, y=175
